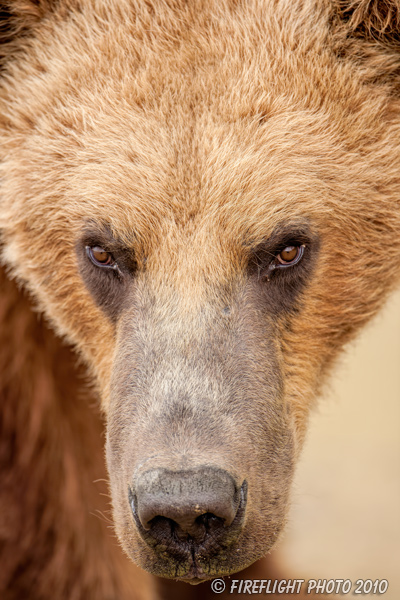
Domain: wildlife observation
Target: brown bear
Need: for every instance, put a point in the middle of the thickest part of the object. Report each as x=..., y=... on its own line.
x=203, y=198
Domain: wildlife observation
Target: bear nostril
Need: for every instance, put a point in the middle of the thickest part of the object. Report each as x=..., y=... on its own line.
x=163, y=528
x=185, y=505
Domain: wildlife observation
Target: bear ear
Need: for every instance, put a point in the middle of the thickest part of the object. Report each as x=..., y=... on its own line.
x=374, y=20
x=18, y=19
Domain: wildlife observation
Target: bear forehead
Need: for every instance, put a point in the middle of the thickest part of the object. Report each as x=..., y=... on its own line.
x=178, y=113
x=233, y=60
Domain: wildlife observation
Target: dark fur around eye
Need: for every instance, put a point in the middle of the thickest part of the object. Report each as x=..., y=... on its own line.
x=108, y=283
x=281, y=284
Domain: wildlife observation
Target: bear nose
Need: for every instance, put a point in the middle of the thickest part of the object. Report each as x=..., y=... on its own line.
x=185, y=505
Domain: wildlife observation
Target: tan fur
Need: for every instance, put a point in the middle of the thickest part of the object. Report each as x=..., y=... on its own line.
x=194, y=130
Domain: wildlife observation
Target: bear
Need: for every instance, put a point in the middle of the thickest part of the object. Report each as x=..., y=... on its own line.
x=198, y=197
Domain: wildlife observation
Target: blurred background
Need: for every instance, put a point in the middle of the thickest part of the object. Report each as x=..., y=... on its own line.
x=345, y=517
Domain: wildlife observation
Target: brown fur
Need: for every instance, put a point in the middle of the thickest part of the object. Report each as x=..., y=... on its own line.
x=192, y=135
x=54, y=522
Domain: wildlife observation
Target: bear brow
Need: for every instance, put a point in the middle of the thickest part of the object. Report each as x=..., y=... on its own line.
x=283, y=235
x=100, y=233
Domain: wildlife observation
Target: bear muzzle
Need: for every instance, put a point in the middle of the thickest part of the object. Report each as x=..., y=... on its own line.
x=187, y=515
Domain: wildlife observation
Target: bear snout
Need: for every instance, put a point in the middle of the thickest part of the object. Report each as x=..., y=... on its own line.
x=185, y=513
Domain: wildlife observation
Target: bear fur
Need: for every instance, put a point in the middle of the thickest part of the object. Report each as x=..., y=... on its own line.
x=193, y=141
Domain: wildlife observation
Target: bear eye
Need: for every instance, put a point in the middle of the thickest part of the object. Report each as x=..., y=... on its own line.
x=289, y=256
x=100, y=257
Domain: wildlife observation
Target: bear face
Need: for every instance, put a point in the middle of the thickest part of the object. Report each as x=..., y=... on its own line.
x=205, y=201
